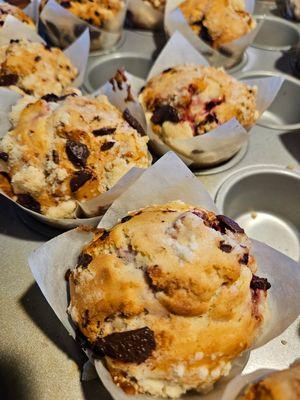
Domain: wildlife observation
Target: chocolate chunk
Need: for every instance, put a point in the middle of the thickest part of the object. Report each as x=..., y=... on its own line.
x=244, y=259
x=85, y=318
x=79, y=179
x=55, y=156
x=213, y=103
x=227, y=248
x=37, y=58
x=3, y=156
x=103, y=131
x=104, y=235
x=8, y=79
x=164, y=113
x=84, y=260
x=77, y=152
x=228, y=223
x=65, y=4
x=50, y=97
x=27, y=201
x=106, y=146
x=126, y=218
x=205, y=35
x=133, y=122
x=129, y=96
x=133, y=346
x=167, y=70
x=259, y=283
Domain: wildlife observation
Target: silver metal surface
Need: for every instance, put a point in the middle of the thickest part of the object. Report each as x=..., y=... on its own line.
x=39, y=361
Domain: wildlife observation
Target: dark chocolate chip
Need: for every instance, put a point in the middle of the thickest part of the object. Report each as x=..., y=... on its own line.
x=167, y=70
x=37, y=58
x=103, y=131
x=50, y=97
x=55, y=156
x=65, y=4
x=244, y=259
x=213, y=103
x=164, y=113
x=104, y=235
x=84, y=260
x=259, y=283
x=79, y=179
x=1, y=23
x=77, y=152
x=133, y=346
x=27, y=201
x=228, y=223
x=3, y=156
x=106, y=146
x=205, y=35
x=8, y=79
x=133, y=122
x=227, y=248
x=85, y=318
x=126, y=218
x=14, y=41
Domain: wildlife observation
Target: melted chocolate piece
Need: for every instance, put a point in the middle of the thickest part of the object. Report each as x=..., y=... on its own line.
x=27, y=201
x=84, y=260
x=227, y=248
x=244, y=260
x=77, y=152
x=106, y=146
x=79, y=179
x=55, y=156
x=51, y=97
x=3, y=156
x=37, y=58
x=133, y=122
x=104, y=235
x=103, y=131
x=164, y=113
x=213, y=103
x=228, y=223
x=167, y=70
x=133, y=346
x=126, y=218
x=8, y=79
x=259, y=283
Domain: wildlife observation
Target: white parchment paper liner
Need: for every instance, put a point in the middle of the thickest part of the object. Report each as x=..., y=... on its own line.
x=168, y=179
x=63, y=27
x=230, y=54
x=223, y=142
x=143, y=15
x=77, y=52
x=99, y=204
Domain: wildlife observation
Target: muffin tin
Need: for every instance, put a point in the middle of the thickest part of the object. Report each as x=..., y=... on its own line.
x=263, y=180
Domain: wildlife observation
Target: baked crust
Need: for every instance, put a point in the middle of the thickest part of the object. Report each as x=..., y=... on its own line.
x=177, y=270
x=69, y=148
x=196, y=100
x=218, y=22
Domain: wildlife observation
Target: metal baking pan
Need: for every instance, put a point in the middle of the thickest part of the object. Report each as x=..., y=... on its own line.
x=38, y=358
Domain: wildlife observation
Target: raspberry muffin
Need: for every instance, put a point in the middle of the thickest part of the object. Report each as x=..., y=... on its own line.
x=218, y=22
x=169, y=298
x=190, y=100
x=281, y=385
x=8, y=9
x=67, y=149
x=35, y=68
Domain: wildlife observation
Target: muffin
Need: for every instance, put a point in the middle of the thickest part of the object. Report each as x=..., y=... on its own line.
x=217, y=22
x=8, y=9
x=168, y=297
x=281, y=385
x=190, y=100
x=98, y=13
x=35, y=68
x=158, y=5
x=67, y=149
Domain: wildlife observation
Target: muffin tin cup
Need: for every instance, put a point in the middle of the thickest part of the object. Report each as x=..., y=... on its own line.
x=90, y=211
x=143, y=15
x=228, y=56
x=50, y=262
x=282, y=114
x=265, y=201
x=62, y=27
x=275, y=34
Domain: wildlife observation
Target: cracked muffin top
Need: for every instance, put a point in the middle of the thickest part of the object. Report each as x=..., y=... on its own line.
x=96, y=12
x=169, y=297
x=281, y=385
x=218, y=22
x=8, y=9
x=67, y=149
x=190, y=100
x=35, y=68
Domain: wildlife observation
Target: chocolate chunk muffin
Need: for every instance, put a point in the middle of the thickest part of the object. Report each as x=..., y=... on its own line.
x=218, y=22
x=190, y=100
x=168, y=297
x=8, y=9
x=281, y=385
x=35, y=68
x=99, y=13
x=67, y=149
